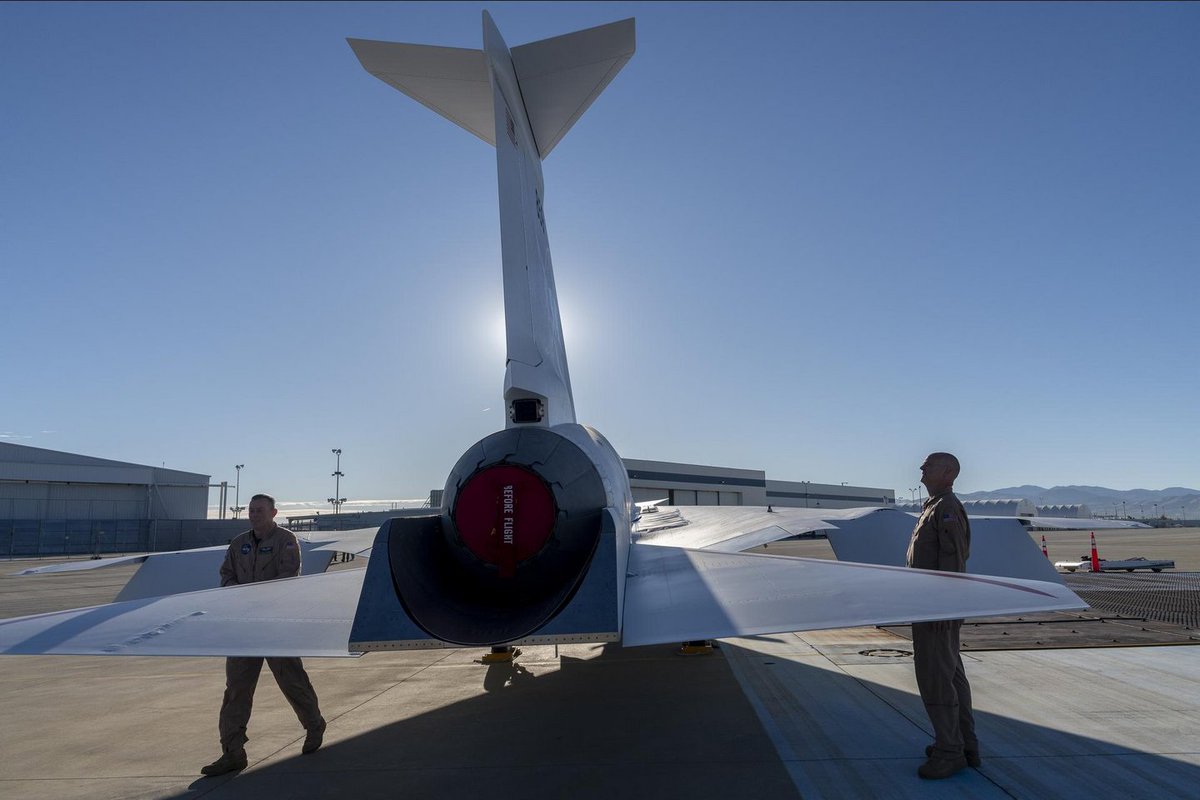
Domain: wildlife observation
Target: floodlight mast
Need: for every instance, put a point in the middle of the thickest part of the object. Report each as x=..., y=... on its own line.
x=237, y=507
x=337, y=498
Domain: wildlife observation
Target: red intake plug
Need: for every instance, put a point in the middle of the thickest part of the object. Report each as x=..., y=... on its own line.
x=504, y=515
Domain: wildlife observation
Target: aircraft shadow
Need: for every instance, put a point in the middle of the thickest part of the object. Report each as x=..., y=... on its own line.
x=637, y=722
x=644, y=722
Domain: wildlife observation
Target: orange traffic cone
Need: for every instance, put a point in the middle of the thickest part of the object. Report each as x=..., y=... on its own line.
x=1095, y=555
x=1047, y=555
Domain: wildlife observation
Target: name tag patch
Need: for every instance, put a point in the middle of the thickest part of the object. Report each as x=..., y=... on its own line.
x=266, y=548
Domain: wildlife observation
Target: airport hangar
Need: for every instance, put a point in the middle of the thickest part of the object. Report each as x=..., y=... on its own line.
x=693, y=484
x=56, y=503
x=36, y=483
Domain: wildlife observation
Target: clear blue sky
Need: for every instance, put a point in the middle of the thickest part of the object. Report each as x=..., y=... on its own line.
x=819, y=240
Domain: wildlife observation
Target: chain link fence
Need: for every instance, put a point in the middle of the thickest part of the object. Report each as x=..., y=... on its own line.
x=85, y=538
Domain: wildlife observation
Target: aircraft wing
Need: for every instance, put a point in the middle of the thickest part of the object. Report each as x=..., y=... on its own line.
x=304, y=616
x=357, y=541
x=90, y=564
x=675, y=594
x=179, y=571
x=1070, y=524
x=1000, y=546
x=731, y=529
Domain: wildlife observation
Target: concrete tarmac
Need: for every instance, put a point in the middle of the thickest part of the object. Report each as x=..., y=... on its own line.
x=816, y=715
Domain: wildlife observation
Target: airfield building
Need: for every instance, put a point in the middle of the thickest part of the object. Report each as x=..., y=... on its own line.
x=1014, y=508
x=1074, y=511
x=1000, y=508
x=63, y=504
x=697, y=485
x=40, y=484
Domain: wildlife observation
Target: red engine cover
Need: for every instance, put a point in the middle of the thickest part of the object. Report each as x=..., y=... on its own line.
x=504, y=514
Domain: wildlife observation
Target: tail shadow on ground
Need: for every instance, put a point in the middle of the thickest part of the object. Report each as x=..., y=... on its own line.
x=646, y=723
x=632, y=722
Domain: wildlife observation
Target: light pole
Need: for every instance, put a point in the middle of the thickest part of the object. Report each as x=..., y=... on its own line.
x=236, y=508
x=337, y=499
x=1156, y=510
x=1123, y=514
x=912, y=495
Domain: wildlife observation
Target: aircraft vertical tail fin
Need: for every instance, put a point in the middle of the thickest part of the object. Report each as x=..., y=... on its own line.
x=522, y=101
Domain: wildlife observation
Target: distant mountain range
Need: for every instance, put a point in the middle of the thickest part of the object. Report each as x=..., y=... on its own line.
x=1174, y=502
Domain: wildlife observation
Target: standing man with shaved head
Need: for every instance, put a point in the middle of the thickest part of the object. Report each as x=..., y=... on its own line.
x=263, y=553
x=942, y=541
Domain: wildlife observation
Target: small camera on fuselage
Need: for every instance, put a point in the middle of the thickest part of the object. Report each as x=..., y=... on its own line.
x=527, y=409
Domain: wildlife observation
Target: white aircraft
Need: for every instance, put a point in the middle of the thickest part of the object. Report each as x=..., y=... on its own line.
x=538, y=539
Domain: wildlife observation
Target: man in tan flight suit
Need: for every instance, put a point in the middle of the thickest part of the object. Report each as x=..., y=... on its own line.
x=942, y=541
x=263, y=553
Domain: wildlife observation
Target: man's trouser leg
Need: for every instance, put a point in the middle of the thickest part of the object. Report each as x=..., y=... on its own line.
x=297, y=688
x=241, y=676
x=936, y=661
x=962, y=690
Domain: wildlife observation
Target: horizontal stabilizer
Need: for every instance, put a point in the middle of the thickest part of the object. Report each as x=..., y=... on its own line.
x=307, y=616
x=677, y=595
x=999, y=545
x=561, y=77
x=452, y=81
x=731, y=529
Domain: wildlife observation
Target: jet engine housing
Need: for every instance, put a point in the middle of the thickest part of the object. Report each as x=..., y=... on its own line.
x=530, y=545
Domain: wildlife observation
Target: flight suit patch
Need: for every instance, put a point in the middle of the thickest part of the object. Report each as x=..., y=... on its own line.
x=246, y=549
x=266, y=548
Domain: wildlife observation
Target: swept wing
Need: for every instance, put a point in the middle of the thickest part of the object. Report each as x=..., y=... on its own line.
x=1075, y=524
x=676, y=594
x=180, y=571
x=305, y=616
